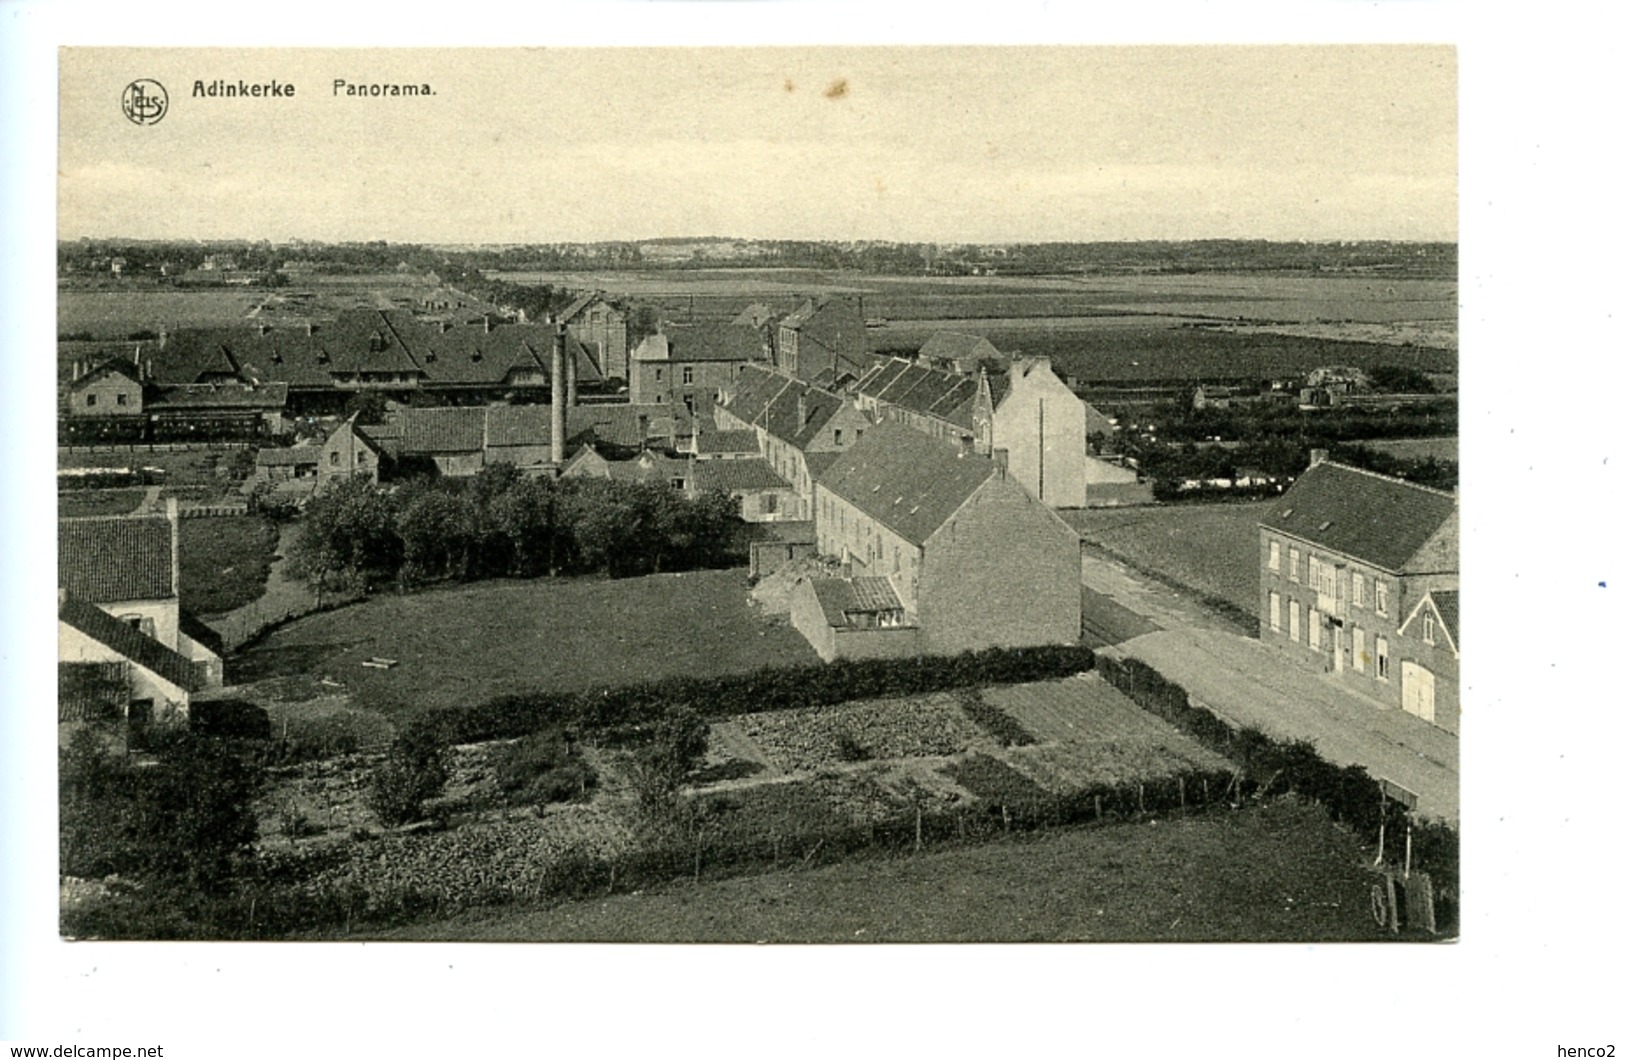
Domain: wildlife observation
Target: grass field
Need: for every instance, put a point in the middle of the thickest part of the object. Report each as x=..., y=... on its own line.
x=1211, y=548
x=465, y=644
x=118, y=314
x=1418, y=448
x=225, y=562
x=76, y=503
x=1275, y=872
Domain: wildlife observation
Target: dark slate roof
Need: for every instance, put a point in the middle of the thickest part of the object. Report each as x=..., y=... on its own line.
x=736, y=476
x=451, y=430
x=1369, y=517
x=364, y=340
x=922, y=389
x=755, y=390
x=906, y=479
x=113, y=366
x=1448, y=604
x=129, y=642
x=727, y=442
x=817, y=463
x=838, y=597
x=121, y=557
x=708, y=342
x=510, y=425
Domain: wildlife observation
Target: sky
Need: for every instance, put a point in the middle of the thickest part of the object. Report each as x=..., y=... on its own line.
x=938, y=144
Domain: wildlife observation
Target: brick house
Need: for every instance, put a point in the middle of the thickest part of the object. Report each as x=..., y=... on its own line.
x=823, y=340
x=127, y=653
x=1348, y=559
x=599, y=325
x=690, y=365
x=970, y=557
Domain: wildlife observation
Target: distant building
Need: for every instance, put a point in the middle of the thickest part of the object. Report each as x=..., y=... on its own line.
x=691, y=364
x=600, y=326
x=960, y=353
x=128, y=656
x=1352, y=563
x=1212, y=397
x=824, y=342
x=946, y=552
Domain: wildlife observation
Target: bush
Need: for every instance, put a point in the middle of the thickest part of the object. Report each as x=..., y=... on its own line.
x=414, y=771
x=541, y=768
x=996, y=723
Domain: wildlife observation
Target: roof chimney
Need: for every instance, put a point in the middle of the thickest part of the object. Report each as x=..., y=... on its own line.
x=801, y=409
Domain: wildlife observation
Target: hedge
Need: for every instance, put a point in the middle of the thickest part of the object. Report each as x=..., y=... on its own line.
x=625, y=712
x=1348, y=793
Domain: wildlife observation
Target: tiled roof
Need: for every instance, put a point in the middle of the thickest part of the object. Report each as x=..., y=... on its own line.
x=922, y=389
x=701, y=342
x=129, y=642
x=735, y=476
x=113, y=366
x=572, y=310
x=510, y=425
x=121, y=557
x=1448, y=603
x=906, y=479
x=755, y=390
x=727, y=442
x=1369, y=517
x=366, y=340
x=817, y=463
x=838, y=597
x=453, y=430
x=201, y=632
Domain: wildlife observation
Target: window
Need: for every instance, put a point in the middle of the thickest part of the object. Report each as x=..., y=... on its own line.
x=90, y=401
x=1382, y=596
x=1359, y=650
x=837, y=436
x=1382, y=658
x=688, y=374
x=333, y=458
x=1357, y=589
x=1275, y=555
x=1275, y=611
x=1293, y=625
x=1292, y=565
x=1427, y=627
x=770, y=503
x=660, y=373
x=123, y=399
x=1314, y=629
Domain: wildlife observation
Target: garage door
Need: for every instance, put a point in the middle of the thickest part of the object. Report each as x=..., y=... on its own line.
x=1416, y=690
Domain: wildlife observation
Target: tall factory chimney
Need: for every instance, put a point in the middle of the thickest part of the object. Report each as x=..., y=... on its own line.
x=569, y=380
x=556, y=393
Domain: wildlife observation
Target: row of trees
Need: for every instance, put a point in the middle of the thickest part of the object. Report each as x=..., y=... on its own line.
x=500, y=523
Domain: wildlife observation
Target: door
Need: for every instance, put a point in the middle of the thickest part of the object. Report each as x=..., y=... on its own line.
x=1416, y=690
x=1337, y=649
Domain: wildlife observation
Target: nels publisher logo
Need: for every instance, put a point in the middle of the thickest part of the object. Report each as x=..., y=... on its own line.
x=145, y=102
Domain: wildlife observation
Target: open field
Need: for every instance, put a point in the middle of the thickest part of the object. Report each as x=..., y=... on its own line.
x=78, y=503
x=1211, y=548
x=1274, y=872
x=118, y=314
x=225, y=562
x=1418, y=448
x=465, y=644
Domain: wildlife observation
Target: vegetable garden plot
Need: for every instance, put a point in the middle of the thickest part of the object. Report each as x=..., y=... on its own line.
x=798, y=740
x=1060, y=768
x=1082, y=708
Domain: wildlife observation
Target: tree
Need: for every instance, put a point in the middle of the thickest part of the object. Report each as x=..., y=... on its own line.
x=414, y=771
x=524, y=514
x=367, y=406
x=346, y=534
x=675, y=747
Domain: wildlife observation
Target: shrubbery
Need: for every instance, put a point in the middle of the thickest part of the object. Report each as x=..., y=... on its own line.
x=414, y=771
x=544, y=767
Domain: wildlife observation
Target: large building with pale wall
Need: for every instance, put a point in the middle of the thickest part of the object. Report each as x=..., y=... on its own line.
x=119, y=614
x=823, y=341
x=1348, y=560
x=600, y=326
x=973, y=559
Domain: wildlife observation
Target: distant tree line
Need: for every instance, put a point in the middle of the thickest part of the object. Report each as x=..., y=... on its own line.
x=501, y=523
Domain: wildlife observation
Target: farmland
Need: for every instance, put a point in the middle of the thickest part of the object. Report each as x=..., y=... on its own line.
x=465, y=644
x=1210, y=548
x=1418, y=448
